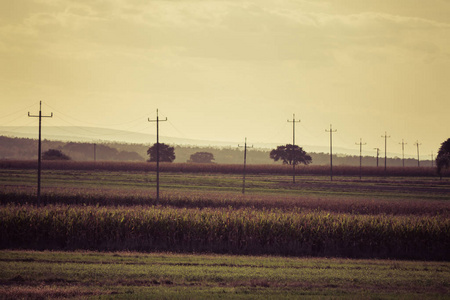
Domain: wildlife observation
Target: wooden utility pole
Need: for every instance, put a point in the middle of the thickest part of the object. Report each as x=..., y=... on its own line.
x=432, y=159
x=418, y=157
x=378, y=154
x=385, y=136
x=331, y=150
x=157, y=151
x=403, y=152
x=293, y=145
x=360, y=157
x=245, y=163
x=40, y=116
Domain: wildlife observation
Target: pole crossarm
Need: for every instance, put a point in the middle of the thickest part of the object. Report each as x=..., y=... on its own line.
x=157, y=150
x=40, y=116
x=331, y=150
x=293, y=144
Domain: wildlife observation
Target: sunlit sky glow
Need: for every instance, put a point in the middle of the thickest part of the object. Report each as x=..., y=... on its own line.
x=225, y=70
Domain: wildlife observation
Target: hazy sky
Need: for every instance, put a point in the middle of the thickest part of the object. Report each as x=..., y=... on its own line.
x=225, y=70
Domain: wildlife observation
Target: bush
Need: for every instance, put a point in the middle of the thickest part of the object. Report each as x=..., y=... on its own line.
x=53, y=154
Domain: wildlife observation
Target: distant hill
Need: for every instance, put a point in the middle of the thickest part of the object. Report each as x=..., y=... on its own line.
x=26, y=148
x=106, y=135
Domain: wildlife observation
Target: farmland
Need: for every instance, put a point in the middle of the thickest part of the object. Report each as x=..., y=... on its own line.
x=400, y=216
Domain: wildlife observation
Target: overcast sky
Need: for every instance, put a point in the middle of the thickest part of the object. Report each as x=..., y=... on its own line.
x=226, y=70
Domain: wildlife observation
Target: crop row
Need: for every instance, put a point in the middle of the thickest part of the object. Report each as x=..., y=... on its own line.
x=208, y=199
x=233, y=231
x=224, y=168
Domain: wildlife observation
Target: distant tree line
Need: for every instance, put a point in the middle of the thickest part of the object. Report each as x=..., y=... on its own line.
x=23, y=148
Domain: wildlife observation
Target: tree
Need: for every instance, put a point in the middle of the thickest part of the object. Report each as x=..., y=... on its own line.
x=53, y=154
x=290, y=155
x=202, y=157
x=443, y=157
x=166, y=153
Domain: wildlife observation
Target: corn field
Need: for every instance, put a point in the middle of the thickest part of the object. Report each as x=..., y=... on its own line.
x=225, y=230
x=112, y=207
x=219, y=200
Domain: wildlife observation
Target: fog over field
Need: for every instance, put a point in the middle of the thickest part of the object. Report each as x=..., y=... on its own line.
x=104, y=135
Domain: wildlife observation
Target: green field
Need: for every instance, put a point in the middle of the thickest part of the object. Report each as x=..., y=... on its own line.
x=379, y=237
x=174, y=276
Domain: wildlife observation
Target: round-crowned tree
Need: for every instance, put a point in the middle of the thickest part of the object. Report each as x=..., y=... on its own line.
x=443, y=157
x=54, y=154
x=201, y=157
x=166, y=153
x=290, y=154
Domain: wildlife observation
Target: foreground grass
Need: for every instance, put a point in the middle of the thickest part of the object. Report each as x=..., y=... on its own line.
x=163, y=275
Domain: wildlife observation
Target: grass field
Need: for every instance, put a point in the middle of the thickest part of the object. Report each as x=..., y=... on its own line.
x=157, y=245
x=174, y=276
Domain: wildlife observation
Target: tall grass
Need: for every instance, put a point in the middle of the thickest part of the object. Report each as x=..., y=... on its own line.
x=223, y=168
x=234, y=231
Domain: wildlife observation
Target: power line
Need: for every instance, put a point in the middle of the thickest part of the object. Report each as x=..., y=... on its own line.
x=16, y=129
x=245, y=163
x=40, y=116
x=378, y=154
x=179, y=131
x=157, y=151
x=136, y=120
x=16, y=112
x=418, y=157
x=277, y=132
x=293, y=145
x=360, y=156
x=96, y=133
x=403, y=152
x=385, y=136
x=331, y=150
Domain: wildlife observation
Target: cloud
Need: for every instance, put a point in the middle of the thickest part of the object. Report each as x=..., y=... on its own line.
x=225, y=30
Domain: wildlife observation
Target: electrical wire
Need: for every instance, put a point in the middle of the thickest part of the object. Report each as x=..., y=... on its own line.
x=18, y=111
x=97, y=124
x=282, y=128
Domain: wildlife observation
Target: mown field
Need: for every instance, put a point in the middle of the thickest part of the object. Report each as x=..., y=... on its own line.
x=134, y=275
x=398, y=222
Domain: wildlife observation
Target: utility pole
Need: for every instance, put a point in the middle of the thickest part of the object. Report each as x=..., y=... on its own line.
x=360, y=156
x=331, y=150
x=245, y=163
x=403, y=152
x=385, y=136
x=293, y=145
x=95, y=153
x=378, y=154
x=431, y=159
x=418, y=157
x=40, y=116
x=157, y=151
